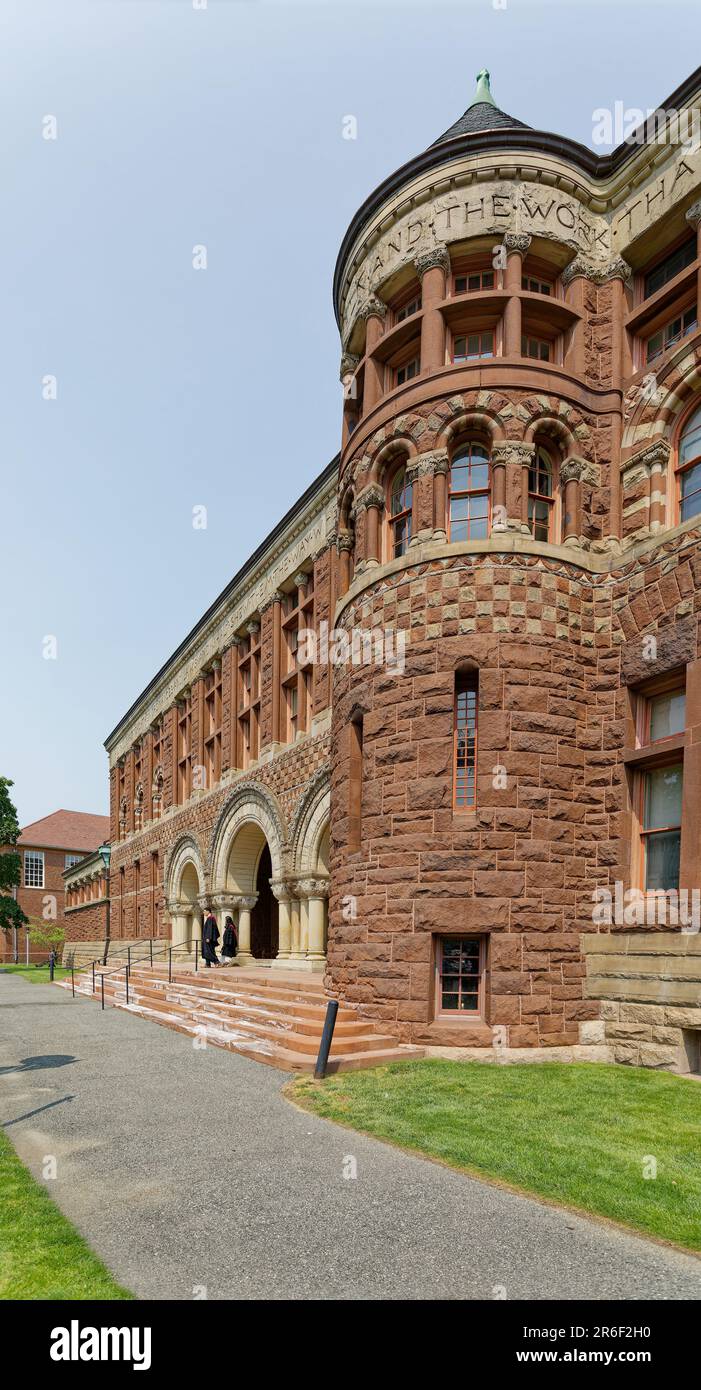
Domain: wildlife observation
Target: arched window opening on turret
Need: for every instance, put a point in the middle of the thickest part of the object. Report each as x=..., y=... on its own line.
x=541, y=497
x=689, y=467
x=399, y=509
x=469, y=493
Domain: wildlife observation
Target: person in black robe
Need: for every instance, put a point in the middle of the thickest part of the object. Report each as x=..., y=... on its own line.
x=210, y=937
x=231, y=945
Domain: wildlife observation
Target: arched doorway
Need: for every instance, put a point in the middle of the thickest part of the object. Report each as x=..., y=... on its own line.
x=264, y=917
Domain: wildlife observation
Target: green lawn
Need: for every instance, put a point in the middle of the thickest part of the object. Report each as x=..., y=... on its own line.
x=578, y=1134
x=41, y=1255
x=38, y=974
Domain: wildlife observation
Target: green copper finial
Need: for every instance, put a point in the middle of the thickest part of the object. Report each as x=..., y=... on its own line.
x=483, y=93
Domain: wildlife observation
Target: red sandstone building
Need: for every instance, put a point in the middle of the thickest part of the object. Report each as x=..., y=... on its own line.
x=49, y=849
x=518, y=497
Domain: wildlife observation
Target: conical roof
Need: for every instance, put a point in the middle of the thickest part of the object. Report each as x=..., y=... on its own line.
x=481, y=114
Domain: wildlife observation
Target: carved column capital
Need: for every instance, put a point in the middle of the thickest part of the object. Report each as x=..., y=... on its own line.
x=371, y=496
x=651, y=456
x=313, y=887
x=579, y=470
x=509, y=452
x=517, y=241
x=617, y=269
x=344, y=541
x=434, y=257
x=245, y=901
x=349, y=365
x=427, y=465
x=693, y=214
x=373, y=307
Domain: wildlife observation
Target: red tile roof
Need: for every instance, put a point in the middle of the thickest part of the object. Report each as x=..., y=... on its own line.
x=67, y=830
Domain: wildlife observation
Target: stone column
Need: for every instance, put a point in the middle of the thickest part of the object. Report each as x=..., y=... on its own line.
x=516, y=245
x=374, y=312
x=655, y=460
x=344, y=545
x=419, y=472
x=281, y=891
x=245, y=906
x=574, y=282
x=573, y=473
x=296, y=953
x=371, y=500
x=274, y=603
x=316, y=892
x=432, y=267
x=351, y=404
x=511, y=458
x=693, y=216
x=441, y=469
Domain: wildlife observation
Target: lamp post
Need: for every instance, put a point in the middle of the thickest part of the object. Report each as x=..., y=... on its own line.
x=105, y=852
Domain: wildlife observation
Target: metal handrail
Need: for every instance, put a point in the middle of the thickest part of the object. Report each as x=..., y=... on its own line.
x=182, y=945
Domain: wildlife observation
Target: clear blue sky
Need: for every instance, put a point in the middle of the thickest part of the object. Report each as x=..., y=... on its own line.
x=177, y=127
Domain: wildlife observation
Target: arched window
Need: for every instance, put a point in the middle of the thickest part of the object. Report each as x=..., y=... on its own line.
x=468, y=503
x=689, y=468
x=540, y=497
x=399, y=513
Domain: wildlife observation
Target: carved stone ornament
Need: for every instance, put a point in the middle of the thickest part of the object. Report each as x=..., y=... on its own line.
x=693, y=214
x=373, y=306
x=349, y=365
x=344, y=542
x=580, y=471
x=617, y=269
x=511, y=452
x=517, y=241
x=371, y=496
x=432, y=257
x=652, y=455
x=425, y=465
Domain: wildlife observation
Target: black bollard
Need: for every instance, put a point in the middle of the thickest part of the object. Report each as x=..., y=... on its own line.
x=326, y=1039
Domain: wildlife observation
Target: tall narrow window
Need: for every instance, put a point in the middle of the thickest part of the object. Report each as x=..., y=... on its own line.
x=34, y=868
x=540, y=497
x=469, y=494
x=400, y=504
x=184, y=787
x=465, y=743
x=355, y=784
x=661, y=826
x=689, y=468
x=660, y=716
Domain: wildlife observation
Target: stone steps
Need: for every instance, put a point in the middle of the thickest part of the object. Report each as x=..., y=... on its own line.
x=277, y=1020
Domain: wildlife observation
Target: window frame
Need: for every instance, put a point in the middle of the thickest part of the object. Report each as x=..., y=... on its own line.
x=455, y=1015
x=679, y=468
x=452, y=492
x=466, y=683
x=659, y=261
x=473, y=332
x=39, y=857
x=689, y=306
x=656, y=755
x=541, y=497
x=394, y=519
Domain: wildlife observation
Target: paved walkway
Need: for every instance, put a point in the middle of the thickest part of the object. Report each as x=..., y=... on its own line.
x=185, y=1168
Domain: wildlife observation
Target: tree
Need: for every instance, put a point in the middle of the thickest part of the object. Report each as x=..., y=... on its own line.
x=11, y=914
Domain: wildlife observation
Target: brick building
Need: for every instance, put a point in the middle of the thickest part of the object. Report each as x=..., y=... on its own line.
x=47, y=848
x=481, y=840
